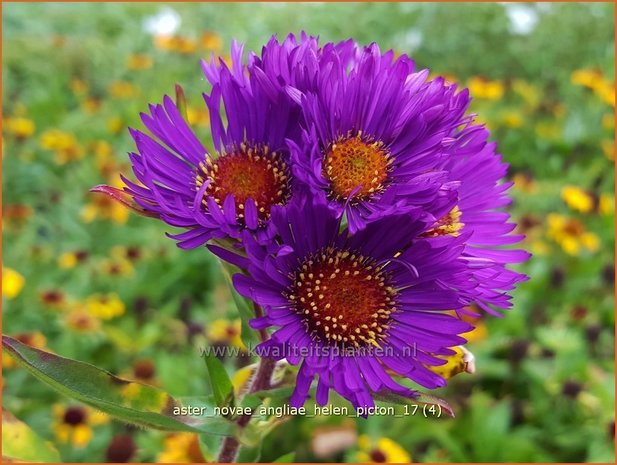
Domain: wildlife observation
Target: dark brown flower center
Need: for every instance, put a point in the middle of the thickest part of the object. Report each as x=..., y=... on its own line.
x=344, y=298
x=378, y=456
x=352, y=163
x=247, y=173
x=144, y=369
x=74, y=416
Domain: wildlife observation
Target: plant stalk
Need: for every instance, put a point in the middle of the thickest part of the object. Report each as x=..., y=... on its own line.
x=261, y=381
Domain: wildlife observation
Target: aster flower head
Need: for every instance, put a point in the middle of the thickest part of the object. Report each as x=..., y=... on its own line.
x=217, y=195
x=362, y=206
x=479, y=213
x=376, y=133
x=355, y=308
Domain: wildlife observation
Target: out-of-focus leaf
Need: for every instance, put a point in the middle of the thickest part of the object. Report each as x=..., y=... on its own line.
x=20, y=443
x=131, y=402
x=245, y=308
x=221, y=386
x=286, y=458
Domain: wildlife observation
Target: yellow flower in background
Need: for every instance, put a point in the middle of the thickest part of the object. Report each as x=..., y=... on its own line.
x=53, y=299
x=479, y=332
x=34, y=339
x=122, y=90
x=462, y=361
x=63, y=144
x=68, y=260
x=105, y=160
x=226, y=332
x=81, y=321
x=12, y=283
x=571, y=234
x=73, y=424
x=118, y=267
x=241, y=378
x=115, y=124
x=55, y=139
x=530, y=93
x=131, y=253
x=176, y=44
x=181, y=448
x=482, y=88
x=586, y=77
x=20, y=127
x=198, y=116
x=382, y=450
x=606, y=204
x=139, y=61
x=91, y=105
x=211, y=41
x=524, y=182
x=513, y=119
x=577, y=199
x=606, y=91
x=595, y=80
x=79, y=87
x=105, y=306
x=608, y=148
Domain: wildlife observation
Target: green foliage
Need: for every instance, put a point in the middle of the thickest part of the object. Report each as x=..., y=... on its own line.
x=21, y=443
x=132, y=402
x=219, y=381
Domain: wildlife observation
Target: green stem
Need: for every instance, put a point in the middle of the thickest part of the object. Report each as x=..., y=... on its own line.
x=261, y=381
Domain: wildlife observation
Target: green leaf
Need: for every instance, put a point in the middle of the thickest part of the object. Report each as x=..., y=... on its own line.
x=244, y=306
x=278, y=393
x=20, y=443
x=221, y=386
x=128, y=401
x=286, y=458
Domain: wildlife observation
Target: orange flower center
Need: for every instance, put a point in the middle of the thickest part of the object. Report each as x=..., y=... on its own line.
x=352, y=163
x=344, y=297
x=247, y=173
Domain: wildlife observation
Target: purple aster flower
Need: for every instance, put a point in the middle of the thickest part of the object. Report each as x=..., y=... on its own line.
x=354, y=309
x=217, y=195
x=478, y=213
x=374, y=135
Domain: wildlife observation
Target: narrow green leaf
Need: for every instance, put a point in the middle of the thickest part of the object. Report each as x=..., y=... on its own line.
x=221, y=386
x=244, y=306
x=128, y=401
x=20, y=443
x=287, y=458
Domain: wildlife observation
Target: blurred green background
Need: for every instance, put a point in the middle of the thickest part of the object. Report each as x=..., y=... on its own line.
x=86, y=280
